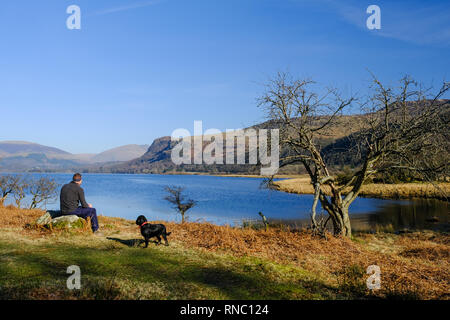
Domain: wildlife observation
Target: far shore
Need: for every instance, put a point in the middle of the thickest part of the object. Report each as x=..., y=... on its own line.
x=302, y=185
x=233, y=175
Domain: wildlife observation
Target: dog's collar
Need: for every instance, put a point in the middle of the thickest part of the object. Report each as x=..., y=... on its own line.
x=146, y=222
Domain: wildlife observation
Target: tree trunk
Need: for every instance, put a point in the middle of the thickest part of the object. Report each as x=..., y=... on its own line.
x=341, y=221
x=2, y=200
x=313, y=209
x=338, y=212
x=346, y=227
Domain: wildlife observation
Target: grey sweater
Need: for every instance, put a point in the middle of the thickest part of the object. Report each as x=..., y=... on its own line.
x=71, y=195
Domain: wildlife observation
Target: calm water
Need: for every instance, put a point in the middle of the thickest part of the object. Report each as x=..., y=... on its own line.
x=230, y=200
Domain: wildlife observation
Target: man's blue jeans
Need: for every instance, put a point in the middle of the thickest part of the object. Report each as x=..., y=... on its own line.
x=87, y=212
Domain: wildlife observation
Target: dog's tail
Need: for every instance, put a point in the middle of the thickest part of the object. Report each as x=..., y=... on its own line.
x=168, y=233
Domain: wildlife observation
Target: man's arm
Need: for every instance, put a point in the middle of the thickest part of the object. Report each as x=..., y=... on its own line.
x=81, y=198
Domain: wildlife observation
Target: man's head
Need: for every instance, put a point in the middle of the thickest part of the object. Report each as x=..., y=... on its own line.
x=77, y=178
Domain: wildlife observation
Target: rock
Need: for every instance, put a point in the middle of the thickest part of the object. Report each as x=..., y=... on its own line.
x=67, y=221
x=57, y=220
x=47, y=217
x=432, y=219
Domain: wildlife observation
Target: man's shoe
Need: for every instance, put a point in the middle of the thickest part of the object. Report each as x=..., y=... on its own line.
x=98, y=233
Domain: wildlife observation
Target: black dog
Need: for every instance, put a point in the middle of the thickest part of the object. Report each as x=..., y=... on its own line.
x=149, y=230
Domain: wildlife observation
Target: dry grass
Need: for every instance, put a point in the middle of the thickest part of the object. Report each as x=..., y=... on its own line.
x=302, y=185
x=10, y=216
x=418, y=266
x=412, y=265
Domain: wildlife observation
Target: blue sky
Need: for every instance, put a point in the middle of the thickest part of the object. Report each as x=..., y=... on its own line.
x=138, y=70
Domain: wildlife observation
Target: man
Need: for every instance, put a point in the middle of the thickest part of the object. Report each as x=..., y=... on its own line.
x=71, y=196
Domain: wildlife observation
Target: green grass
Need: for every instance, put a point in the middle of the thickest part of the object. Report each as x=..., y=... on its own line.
x=113, y=269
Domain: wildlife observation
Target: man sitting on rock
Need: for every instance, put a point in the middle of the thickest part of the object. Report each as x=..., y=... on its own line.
x=71, y=196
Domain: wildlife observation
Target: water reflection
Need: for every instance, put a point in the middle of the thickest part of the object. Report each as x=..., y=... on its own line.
x=392, y=216
x=411, y=215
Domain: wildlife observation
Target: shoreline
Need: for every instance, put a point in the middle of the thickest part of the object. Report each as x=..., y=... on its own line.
x=407, y=191
x=278, y=176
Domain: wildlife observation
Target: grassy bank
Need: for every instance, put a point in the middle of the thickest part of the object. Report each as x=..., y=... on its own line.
x=205, y=261
x=302, y=185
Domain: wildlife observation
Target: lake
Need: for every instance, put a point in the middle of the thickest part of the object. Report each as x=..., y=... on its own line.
x=231, y=200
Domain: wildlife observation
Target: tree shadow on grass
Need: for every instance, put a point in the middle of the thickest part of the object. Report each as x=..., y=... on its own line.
x=229, y=281
x=132, y=243
x=129, y=242
x=211, y=278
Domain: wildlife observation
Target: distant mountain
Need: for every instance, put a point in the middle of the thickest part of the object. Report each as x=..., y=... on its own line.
x=335, y=144
x=37, y=162
x=123, y=153
x=13, y=148
x=157, y=159
x=27, y=156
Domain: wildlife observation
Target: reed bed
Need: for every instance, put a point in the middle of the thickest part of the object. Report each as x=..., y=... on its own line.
x=386, y=191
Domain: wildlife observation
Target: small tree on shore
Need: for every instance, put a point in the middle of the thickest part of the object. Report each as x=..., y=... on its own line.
x=8, y=183
x=404, y=127
x=177, y=199
x=21, y=189
x=42, y=190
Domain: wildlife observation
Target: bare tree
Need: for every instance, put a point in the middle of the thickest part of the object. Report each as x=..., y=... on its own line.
x=42, y=190
x=7, y=186
x=178, y=200
x=401, y=123
x=21, y=190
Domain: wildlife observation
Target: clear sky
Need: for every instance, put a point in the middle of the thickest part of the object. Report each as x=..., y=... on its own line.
x=138, y=70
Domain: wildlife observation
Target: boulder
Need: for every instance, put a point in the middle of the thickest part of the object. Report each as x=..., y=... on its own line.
x=45, y=219
x=57, y=220
x=67, y=221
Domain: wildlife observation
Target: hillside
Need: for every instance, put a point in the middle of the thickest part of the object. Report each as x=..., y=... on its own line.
x=158, y=157
x=336, y=143
x=35, y=162
x=122, y=153
x=20, y=156
x=16, y=148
